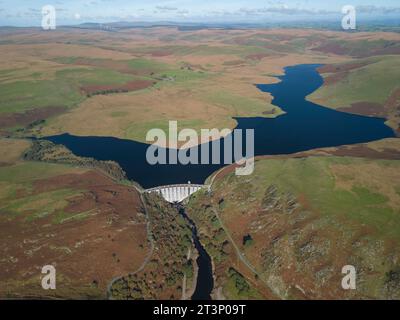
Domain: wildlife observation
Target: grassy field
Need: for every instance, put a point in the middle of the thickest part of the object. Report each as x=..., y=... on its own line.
x=338, y=187
x=11, y=150
x=374, y=83
x=20, y=178
x=240, y=106
x=64, y=90
x=22, y=96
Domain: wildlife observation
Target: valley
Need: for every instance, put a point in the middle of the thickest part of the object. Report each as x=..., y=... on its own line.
x=76, y=105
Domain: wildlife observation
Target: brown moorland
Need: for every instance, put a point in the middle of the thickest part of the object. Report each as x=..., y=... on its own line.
x=82, y=222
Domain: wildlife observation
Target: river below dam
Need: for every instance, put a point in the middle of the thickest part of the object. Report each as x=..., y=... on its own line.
x=205, y=280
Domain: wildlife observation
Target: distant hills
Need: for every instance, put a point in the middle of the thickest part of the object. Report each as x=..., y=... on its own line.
x=376, y=24
x=331, y=24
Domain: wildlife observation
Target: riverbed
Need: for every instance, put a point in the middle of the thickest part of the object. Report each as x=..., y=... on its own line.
x=305, y=126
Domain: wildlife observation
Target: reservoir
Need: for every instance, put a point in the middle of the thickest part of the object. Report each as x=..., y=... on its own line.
x=305, y=126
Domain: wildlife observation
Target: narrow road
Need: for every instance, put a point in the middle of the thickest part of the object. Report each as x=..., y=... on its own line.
x=240, y=255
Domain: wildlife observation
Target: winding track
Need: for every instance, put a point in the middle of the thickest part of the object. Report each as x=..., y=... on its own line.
x=149, y=255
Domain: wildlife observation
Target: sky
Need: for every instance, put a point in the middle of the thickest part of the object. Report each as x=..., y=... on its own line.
x=28, y=12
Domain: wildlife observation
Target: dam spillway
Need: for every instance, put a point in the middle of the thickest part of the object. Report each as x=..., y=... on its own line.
x=176, y=193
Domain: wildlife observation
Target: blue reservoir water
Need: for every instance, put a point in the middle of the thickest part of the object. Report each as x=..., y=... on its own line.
x=305, y=126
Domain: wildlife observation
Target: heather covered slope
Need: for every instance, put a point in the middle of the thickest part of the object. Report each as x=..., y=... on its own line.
x=94, y=227
x=79, y=220
x=290, y=228
x=368, y=86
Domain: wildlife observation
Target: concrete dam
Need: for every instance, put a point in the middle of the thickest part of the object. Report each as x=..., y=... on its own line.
x=176, y=193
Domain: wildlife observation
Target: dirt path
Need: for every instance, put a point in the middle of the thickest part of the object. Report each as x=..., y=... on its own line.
x=239, y=254
x=184, y=287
